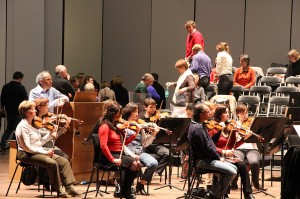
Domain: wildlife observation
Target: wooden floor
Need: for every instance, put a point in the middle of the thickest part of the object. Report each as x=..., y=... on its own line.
x=31, y=191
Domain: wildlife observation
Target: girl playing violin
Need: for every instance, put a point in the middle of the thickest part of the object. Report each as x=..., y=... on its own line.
x=227, y=142
x=135, y=148
x=158, y=149
x=111, y=144
x=247, y=150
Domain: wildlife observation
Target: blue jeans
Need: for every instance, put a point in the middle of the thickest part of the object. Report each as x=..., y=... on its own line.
x=227, y=170
x=151, y=164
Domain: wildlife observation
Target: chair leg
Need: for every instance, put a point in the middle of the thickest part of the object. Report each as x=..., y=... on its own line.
x=120, y=170
x=98, y=183
x=91, y=178
x=12, y=179
x=20, y=181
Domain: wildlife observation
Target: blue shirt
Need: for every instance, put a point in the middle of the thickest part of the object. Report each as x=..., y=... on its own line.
x=201, y=64
x=153, y=92
x=51, y=94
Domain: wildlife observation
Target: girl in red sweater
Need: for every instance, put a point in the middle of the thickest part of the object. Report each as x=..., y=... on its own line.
x=111, y=145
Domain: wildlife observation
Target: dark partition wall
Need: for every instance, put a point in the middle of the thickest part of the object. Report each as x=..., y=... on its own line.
x=221, y=21
x=168, y=37
x=126, y=40
x=295, y=41
x=267, y=31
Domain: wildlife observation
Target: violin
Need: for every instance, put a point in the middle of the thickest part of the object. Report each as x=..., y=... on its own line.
x=60, y=118
x=157, y=115
x=38, y=123
x=212, y=124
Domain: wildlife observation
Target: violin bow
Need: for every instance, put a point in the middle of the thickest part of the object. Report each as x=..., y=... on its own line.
x=123, y=143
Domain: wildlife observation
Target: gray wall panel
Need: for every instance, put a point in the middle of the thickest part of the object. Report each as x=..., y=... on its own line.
x=53, y=33
x=25, y=39
x=295, y=44
x=2, y=40
x=2, y=51
x=221, y=21
x=126, y=44
x=168, y=37
x=267, y=31
x=83, y=33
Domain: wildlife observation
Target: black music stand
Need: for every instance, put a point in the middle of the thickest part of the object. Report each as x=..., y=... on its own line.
x=178, y=127
x=268, y=128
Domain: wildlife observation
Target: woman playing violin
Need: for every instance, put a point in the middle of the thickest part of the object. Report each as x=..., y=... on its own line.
x=227, y=142
x=135, y=148
x=248, y=150
x=41, y=106
x=111, y=144
x=42, y=112
x=30, y=151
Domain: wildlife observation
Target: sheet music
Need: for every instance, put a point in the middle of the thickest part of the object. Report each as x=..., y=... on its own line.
x=297, y=128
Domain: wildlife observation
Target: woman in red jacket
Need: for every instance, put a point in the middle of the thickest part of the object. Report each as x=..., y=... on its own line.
x=111, y=145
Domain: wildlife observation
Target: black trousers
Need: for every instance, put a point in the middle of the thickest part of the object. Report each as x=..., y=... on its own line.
x=161, y=151
x=225, y=84
x=242, y=169
x=12, y=123
x=204, y=82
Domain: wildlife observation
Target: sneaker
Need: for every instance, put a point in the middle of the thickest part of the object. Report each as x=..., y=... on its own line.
x=71, y=191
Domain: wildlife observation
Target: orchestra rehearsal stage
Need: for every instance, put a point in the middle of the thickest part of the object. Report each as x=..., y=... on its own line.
x=31, y=192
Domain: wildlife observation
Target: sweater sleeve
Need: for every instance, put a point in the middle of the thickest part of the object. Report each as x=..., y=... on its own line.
x=103, y=135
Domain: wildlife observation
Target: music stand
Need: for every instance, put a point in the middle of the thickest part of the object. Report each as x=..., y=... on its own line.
x=178, y=127
x=268, y=128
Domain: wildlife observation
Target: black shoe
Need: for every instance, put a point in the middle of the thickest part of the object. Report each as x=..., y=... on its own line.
x=129, y=195
x=117, y=191
x=141, y=188
x=210, y=196
x=234, y=186
x=249, y=196
x=2, y=150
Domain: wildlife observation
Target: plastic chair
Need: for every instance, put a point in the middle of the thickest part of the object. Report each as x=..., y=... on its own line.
x=276, y=105
x=101, y=164
x=251, y=102
x=264, y=92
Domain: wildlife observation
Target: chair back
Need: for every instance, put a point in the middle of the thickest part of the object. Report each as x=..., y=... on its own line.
x=292, y=80
x=99, y=157
x=276, y=70
x=270, y=81
x=286, y=90
x=251, y=102
x=264, y=90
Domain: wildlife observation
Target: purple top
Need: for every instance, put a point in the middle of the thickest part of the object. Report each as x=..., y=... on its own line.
x=201, y=64
x=153, y=92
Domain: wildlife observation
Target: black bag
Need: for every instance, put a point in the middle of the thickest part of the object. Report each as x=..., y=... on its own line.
x=104, y=98
x=2, y=112
x=29, y=175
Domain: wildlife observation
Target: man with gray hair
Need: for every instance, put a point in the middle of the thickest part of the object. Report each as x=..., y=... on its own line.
x=61, y=83
x=44, y=89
